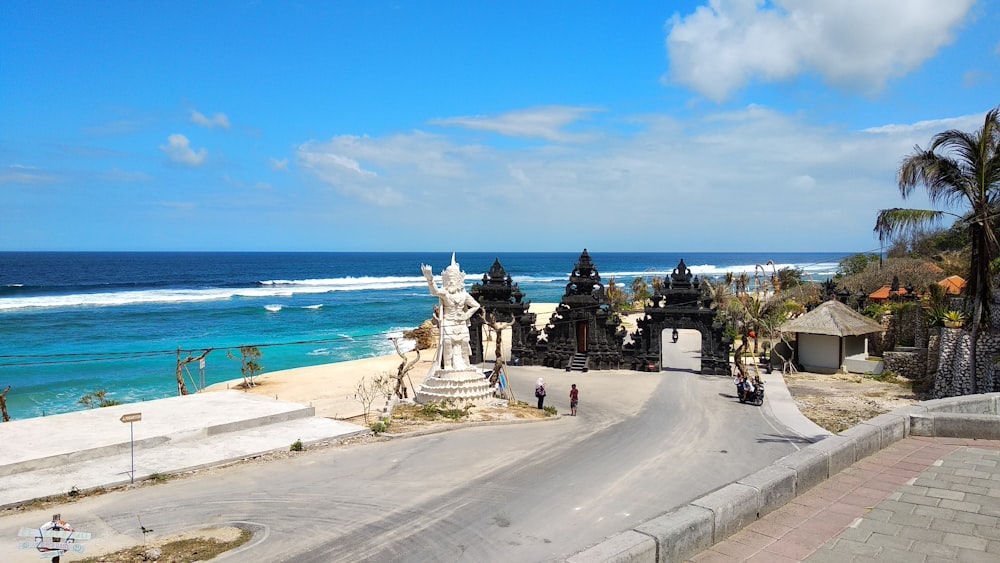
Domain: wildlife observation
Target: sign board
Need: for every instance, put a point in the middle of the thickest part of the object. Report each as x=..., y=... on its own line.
x=132, y=417
x=52, y=543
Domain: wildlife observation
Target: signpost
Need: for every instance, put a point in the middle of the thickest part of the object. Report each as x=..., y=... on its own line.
x=53, y=539
x=131, y=418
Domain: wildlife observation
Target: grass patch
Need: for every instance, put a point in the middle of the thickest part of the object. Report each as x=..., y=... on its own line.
x=187, y=549
x=890, y=377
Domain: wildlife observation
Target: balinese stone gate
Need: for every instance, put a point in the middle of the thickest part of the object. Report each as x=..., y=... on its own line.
x=500, y=297
x=583, y=333
x=682, y=304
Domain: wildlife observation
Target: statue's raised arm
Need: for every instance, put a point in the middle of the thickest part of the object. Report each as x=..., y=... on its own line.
x=429, y=276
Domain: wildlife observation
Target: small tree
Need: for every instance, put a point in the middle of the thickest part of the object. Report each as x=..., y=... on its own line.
x=855, y=264
x=249, y=366
x=640, y=292
x=617, y=297
x=371, y=388
x=404, y=369
x=97, y=399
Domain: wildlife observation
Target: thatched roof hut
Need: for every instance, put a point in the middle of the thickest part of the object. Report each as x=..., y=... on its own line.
x=832, y=337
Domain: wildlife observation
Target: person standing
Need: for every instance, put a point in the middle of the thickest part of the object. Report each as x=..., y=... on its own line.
x=574, y=399
x=540, y=391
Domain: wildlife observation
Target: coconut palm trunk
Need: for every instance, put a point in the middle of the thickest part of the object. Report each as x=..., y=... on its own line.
x=961, y=171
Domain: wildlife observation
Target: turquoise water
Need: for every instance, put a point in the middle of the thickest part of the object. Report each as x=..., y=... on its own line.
x=75, y=323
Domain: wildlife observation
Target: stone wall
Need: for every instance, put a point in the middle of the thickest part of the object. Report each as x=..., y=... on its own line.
x=886, y=340
x=933, y=349
x=953, y=374
x=910, y=363
x=906, y=321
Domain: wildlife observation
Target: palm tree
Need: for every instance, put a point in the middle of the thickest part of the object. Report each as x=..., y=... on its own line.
x=962, y=171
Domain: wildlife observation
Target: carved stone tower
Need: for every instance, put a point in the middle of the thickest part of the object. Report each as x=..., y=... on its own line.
x=583, y=332
x=500, y=297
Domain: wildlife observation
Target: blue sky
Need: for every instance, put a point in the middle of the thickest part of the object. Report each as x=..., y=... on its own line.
x=729, y=125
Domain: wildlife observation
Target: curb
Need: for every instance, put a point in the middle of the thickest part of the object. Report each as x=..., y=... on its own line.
x=706, y=521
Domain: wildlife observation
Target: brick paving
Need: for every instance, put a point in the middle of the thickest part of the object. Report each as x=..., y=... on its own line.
x=919, y=500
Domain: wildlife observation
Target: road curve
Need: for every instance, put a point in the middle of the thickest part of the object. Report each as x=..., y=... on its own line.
x=642, y=445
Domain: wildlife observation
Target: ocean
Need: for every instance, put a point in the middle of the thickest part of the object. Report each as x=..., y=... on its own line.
x=73, y=323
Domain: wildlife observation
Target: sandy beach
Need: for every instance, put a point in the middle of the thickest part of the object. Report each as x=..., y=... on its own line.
x=330, y=388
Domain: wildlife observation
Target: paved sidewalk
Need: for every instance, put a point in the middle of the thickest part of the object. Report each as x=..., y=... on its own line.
x=91, y=449
x=919, y=500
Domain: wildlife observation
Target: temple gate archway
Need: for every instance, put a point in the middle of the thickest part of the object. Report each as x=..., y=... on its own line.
x=681, y=305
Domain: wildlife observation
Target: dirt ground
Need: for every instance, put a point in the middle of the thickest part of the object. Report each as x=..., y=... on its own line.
x=839, y=401
x=412, y=418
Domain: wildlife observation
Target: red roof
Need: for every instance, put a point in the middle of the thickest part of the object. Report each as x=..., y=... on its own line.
x=882, y=293
x=953, y=284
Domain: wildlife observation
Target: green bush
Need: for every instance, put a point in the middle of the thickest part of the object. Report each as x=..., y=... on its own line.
x=445, y=409
x=97, y=399
x=296, y=446
x=551, y=410
x=379, y=426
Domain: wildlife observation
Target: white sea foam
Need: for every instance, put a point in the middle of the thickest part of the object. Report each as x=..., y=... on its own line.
x=320, y=306
x=819, y=271
x=290, y=288
x=267, y=289
x=273, y=308
x=346, y=284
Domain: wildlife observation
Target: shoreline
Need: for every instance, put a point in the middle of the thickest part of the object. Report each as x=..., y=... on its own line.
x=330, y=388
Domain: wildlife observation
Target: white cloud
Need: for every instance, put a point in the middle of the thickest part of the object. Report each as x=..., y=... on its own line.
x=178, y=149
x=754, y=169
x=857, y=45
x=931, y=126
x=354, y=165
x=804, y=182
x=545, y=122
x=24, y=175
x=217, y=120
x=278, y=164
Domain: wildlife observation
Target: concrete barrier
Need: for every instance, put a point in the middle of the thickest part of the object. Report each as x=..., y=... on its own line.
x=690, y=529
x=775, y=485
x=733, y=506
x=952, y=425
x=680, y=534
x=626, y=547
x=811, y=468
x=840, y=451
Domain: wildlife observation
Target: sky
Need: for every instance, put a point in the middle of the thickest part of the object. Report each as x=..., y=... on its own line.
x=701, y=126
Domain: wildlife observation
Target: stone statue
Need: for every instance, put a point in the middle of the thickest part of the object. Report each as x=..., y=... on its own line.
x=456, y=308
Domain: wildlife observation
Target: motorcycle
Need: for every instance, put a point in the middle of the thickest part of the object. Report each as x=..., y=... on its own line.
x=755, y=397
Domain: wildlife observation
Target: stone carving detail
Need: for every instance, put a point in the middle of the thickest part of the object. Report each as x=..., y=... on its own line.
x=451, y=377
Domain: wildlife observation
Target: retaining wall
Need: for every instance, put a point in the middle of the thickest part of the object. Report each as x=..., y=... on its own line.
x=706, y=521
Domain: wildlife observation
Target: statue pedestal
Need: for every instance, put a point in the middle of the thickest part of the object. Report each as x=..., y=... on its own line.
x=460, y=386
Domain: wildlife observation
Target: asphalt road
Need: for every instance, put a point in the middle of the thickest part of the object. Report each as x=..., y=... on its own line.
x=529, y=492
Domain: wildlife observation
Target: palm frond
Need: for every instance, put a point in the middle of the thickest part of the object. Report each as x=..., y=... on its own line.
x=899, y=221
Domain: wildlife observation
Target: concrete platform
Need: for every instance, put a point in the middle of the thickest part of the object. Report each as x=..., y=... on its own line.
x=85, y=450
